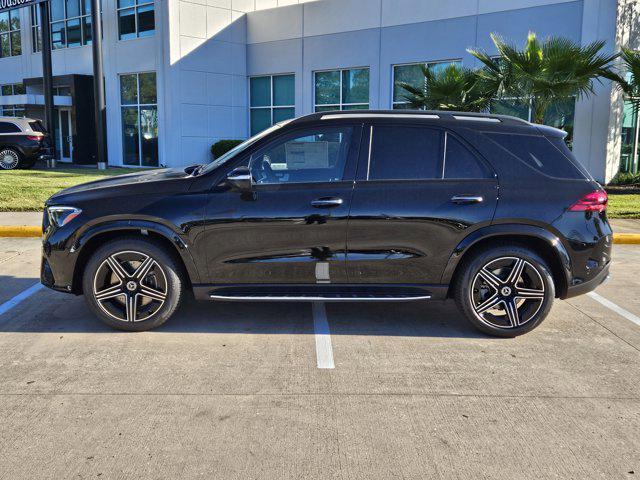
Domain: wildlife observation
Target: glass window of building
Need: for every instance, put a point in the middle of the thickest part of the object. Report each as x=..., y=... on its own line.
x=630, y=148
x=10, y=42
x=342, y=90
x=70, y=24
x=560, y=114
x=12, y=111
x=136, y=18
x=12, y=89
x=139, y=105
x=272, y=100
x=412, y=74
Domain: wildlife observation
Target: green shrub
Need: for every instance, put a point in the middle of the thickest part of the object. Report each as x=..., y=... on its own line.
x=223, y=146
x=625, y=178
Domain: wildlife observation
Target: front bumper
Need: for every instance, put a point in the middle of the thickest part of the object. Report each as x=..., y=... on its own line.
x=589, y=285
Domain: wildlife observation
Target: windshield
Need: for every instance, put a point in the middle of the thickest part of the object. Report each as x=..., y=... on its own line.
x=243, y=146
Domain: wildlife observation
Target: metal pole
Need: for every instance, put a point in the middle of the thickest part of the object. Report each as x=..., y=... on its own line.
x=98, y=85
x=47, y=74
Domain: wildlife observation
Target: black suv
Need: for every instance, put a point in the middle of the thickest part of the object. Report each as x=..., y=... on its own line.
x=343, y=206
x=23, y=141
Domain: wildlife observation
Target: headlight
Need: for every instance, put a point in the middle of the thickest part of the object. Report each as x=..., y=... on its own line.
x=60, y=216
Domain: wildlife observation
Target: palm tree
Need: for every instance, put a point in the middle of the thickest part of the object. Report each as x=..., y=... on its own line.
x=451, y=88
x=630, y=86
x=543, y=73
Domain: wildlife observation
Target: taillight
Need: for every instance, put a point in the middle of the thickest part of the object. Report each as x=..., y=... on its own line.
x=35, y=138
x=592, y=202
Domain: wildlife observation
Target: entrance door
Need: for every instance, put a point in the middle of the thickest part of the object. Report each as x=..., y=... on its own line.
x=62, y=135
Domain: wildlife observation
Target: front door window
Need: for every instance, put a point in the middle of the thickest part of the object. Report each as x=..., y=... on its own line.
x=311, y=156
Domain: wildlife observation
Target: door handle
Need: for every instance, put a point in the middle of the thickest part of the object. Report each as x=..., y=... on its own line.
x=327, y=202
x=466, y=199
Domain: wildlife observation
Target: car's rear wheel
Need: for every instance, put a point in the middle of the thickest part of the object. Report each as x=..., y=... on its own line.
x=505, y=291
x=132, y=284
x=10, y=159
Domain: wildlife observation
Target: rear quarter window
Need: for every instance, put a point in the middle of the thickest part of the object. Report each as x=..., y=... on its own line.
x=540, y=154
x=37, y=126
x=6, y=127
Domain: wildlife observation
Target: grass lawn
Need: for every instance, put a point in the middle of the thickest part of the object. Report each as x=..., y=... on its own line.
x=624, y=205
x=26, y=190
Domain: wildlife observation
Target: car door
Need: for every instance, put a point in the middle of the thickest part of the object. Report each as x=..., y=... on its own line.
x=419, y=191
x=291, y=227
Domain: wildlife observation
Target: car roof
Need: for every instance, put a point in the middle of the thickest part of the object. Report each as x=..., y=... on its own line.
x=488, y=121
x=417, y=114
x=22, y=122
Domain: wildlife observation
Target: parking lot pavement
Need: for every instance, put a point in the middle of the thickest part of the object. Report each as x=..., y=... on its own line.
x=233, y=391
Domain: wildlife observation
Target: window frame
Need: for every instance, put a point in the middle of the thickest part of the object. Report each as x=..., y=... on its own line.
x=367, y=153
x=13, y=89
x=11, y=32
x=428, y=63
x=340, y=106
x=36, y=27
x=136, y=6
x=271, y=107
x=138, y=107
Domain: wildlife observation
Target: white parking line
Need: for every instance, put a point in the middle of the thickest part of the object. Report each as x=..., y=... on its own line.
x=616, y=308
x=9, y=304
x=324, y=351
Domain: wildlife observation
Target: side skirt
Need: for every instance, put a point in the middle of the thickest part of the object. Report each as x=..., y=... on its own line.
x=320, y=293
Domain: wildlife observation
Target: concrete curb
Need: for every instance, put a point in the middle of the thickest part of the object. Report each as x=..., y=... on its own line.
x=33, y=232
x=20, y=231
x=626, y=238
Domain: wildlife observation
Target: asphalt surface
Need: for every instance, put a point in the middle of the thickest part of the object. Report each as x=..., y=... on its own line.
x=233, y=391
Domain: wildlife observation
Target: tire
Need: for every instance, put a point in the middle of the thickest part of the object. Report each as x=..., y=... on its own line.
x=132, y=273
x=505, y=291
x=10, y=159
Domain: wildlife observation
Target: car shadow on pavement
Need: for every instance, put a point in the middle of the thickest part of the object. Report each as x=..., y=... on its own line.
x=47, y=311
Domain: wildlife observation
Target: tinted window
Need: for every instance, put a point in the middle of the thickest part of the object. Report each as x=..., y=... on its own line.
x=37, y=126
x=539, y=153
x=405, y=153
x=560, y=144
x=8, y=128
x=312, y=156
x=460, y=162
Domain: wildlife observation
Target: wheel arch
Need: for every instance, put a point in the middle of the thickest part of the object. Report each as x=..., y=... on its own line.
x=96, y=236
x=543, y=242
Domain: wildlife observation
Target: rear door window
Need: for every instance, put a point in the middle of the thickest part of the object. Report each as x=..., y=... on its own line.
x=405, y=153
x=6, y=127
x=539, y=153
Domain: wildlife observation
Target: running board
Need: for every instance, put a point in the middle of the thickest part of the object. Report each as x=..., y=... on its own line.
x=319, y=298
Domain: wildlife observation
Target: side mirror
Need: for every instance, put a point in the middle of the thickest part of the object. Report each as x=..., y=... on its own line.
x=240, y=179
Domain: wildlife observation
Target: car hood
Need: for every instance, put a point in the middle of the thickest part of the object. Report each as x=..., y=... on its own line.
x=151, y=181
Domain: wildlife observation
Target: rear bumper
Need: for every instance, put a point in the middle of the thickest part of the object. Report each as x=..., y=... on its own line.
x=589, y=285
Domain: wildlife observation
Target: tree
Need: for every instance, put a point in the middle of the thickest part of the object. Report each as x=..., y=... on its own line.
x=543, y=73
x=451, y=88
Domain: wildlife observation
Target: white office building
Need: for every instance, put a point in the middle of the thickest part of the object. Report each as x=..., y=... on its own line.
x=183, y=74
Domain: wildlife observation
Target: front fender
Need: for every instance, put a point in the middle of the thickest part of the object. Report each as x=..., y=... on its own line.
x=144, y=227
x=509, y=230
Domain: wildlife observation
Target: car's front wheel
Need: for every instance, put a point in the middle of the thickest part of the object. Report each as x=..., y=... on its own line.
x=132, y=284
x=10, y=159
x=505, y=291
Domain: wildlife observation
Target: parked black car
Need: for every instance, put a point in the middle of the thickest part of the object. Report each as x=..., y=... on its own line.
x=343, y=206
x=23, y=141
